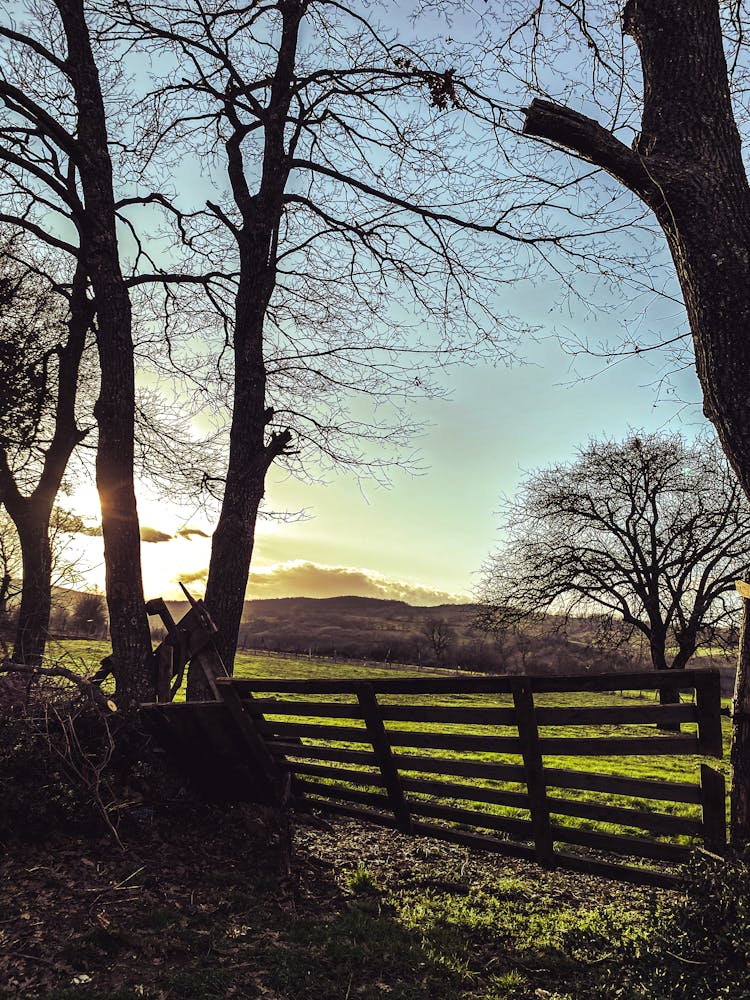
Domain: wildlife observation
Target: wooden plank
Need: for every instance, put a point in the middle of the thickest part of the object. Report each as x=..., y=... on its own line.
x=313, y=709
x=615, y=746
x=616, y=715
x=339, y=734
x=656, y=822
x=613, y=784
x=346, y=794
x=708, y=705
x=382, y=747
x=462, y=715
x=454, y=741
x=402, y=738
x=342, y=755
x=475, y=793
x=528, y=734
x=713, y=789
x=621, y=873
x=163, y=658
x=478, y=684
x=338, y=774
x=639, y=847
x=444, y=714
x=520, y=828
x=476, y=841
x=460, y=768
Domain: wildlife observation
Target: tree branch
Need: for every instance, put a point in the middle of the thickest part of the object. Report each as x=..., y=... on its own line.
x=591, y=141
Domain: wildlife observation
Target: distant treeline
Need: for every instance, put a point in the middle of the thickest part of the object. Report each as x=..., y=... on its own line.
x=436, y=644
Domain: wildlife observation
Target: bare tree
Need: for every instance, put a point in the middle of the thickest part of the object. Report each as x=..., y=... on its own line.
x=336, y=229
x=90, y=615
x=648, y=535
x=651, y=93
x=42, y=340
x=440, y=636
x=56, y=162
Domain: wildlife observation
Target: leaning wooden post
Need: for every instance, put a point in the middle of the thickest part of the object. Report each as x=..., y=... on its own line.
x=739, y=757
x=382, y=747
x=528, y=734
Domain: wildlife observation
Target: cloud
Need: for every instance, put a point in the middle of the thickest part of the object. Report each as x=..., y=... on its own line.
x=200, y=575
x=189, y=532
x=77, y=526
x=308, y=579
x=153, y=535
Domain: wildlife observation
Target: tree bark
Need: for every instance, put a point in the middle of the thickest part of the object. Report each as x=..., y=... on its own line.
x=687, y=167
x=33, y=616
x=115, y=408
x=739, y=795
x=250, y=457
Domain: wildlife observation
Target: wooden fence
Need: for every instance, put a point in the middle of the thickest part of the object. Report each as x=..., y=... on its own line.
x=390, y=751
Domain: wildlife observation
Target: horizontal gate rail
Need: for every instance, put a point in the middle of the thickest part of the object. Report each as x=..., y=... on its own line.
x=487, y=761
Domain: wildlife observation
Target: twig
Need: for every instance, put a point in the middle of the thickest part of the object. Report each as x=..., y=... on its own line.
x=679, y=958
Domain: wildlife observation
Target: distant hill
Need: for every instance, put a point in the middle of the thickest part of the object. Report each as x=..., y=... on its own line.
x=375, y=630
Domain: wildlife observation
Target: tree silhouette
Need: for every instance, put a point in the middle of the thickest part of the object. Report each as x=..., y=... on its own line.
x=646, y=535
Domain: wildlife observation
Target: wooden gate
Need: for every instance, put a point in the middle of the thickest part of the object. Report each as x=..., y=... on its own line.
x=499, y=762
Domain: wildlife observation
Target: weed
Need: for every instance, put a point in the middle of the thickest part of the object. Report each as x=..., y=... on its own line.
x=360, y=881
x=506, y=986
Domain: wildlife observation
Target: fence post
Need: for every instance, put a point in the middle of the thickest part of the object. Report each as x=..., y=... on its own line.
x=382, y=747
x=708, y=706
x=528, y=734
x=714, y=805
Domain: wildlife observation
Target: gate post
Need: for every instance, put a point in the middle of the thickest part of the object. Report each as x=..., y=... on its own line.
x=528, y=734
x=713, y=804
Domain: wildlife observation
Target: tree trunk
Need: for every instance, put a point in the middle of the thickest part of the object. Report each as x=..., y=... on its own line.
x=687, y=167
x=250, y=453
x=36, y=601
x=115, y=408
x=739, y=820
x=249, y=460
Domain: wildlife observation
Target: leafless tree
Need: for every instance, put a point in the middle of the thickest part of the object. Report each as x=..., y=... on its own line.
x=645, y=536
x=352, y=209
x=55, y=152
x=43, y=333
x=440, y=636
x=90, y=615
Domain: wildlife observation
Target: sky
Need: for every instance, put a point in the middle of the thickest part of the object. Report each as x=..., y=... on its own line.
x=424, y=539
